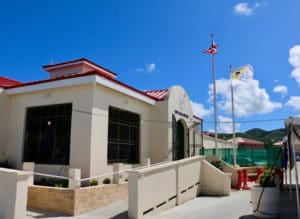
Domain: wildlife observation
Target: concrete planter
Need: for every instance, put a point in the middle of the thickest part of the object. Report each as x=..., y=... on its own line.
x=265, y=201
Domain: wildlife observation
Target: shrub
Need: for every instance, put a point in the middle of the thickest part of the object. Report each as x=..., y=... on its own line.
x=94, y=182
x=6, y=163
x=267, y=178
x=217, y=164
x=106, y=181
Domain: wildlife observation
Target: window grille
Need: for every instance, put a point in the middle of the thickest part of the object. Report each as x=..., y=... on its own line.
x=47, y=134
x=123, y=136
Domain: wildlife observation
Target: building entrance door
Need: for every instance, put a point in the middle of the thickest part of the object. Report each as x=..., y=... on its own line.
x=178, y=140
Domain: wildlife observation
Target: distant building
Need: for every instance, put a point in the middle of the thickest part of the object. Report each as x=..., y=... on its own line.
x=209, y=142
x=247, y=143
x=278, y=143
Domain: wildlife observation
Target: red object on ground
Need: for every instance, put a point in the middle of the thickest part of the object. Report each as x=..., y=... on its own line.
x=239, y=182
x=244, y=180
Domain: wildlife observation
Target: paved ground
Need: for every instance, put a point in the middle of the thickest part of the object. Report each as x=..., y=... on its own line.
x=235, y=206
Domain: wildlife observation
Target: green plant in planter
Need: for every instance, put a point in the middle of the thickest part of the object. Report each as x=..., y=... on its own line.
x=217, y=164
x=267, y=178
x=94, y=182
x=106, y=181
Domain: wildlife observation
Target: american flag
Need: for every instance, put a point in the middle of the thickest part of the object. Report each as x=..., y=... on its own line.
x=213, y=48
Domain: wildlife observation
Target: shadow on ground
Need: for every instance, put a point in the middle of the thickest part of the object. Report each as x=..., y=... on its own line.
x=35, y=213
x=123, y=215
x=250, y=216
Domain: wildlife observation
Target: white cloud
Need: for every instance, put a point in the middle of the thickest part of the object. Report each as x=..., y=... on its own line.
x=294, y=102
x=149, y=68
x=283, y=90
x=199, y=110
x=249, y=98
x=245, y=9
x=225, y=125
x=294, y=60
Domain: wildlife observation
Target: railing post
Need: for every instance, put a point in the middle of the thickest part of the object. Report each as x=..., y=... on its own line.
x=116, y=168
x=75, y=176
x=29, y=166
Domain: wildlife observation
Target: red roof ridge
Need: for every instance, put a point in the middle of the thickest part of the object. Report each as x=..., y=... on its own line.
x=78, y=60
x=7, y=82
x=156, y=90
x=158, y=94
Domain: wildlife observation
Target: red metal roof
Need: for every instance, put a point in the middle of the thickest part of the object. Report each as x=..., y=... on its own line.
x=7, y=82
x=78, y=60
x=248, y=141
x=158, y=94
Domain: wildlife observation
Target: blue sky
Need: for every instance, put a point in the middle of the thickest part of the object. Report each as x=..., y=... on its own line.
x=154, y=44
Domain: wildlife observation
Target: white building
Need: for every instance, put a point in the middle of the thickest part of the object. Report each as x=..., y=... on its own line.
x=82, y=117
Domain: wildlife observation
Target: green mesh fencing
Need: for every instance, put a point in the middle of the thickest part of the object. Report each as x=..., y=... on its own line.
x=270, y=156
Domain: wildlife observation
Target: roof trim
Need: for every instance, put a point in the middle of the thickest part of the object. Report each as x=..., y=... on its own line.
x=77, y=79
x=79, y=61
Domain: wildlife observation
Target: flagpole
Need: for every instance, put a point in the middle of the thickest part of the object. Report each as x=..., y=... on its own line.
x=215, y=99
x=233, y=120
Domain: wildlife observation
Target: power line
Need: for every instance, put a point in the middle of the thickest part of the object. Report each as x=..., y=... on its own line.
x=252, y=121
x=206, y=122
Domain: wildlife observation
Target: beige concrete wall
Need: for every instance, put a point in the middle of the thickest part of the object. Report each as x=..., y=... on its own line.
x=159, y=133
x=102, y=99
x=81, y=99
x=13, y=193
x=160, y=187
x=89, y=126
x=214, y=181
x=4, y=112
x=75, y=202
x=161, y=141
x=179, y=100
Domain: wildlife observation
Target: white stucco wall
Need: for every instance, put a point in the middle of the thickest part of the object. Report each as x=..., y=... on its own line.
x=81, y=99
x=161, y=139
x=103, y=98
x=4, y=112
x=89, y=124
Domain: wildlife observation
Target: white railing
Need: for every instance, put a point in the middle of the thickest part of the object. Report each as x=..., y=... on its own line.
x=74, y=177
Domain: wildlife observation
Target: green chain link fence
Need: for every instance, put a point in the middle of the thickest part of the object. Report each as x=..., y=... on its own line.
x=270, y=156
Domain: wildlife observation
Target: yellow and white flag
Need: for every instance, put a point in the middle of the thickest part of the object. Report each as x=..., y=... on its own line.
x=242, y=73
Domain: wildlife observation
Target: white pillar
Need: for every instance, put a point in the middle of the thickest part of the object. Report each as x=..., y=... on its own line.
x=13, y=193
x=117, y=167
x=75, y=176
x=29, y=166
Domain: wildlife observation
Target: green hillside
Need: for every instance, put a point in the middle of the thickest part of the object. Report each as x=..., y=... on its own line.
x=260, y=135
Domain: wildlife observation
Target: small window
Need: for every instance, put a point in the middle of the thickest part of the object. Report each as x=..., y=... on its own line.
x=123, y=136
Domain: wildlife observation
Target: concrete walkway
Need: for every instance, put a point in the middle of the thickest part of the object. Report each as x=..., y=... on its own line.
x=229, y=207
x=235, y=206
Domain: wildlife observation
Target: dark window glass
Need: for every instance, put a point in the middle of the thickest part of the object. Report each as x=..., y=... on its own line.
x=47, y=134
x=123, y=136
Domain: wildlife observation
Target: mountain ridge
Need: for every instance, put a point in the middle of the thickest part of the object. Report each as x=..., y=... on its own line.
x=268, y=137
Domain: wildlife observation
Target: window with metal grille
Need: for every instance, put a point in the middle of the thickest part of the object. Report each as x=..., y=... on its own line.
x=123, y=136
x=47, y=134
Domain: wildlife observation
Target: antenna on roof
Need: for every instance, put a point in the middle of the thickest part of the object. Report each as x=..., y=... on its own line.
x=52, y=62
